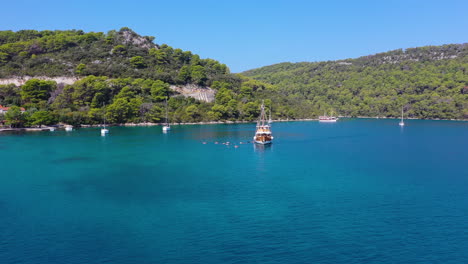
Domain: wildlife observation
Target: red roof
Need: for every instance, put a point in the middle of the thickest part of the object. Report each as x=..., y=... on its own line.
x=4, y=108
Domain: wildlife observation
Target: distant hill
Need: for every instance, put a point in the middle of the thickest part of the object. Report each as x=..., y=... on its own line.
x=429, y=82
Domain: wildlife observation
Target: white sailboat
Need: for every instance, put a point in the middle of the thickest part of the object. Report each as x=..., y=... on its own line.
x=68, y=128
x=263, y=133
x=402, y=123
x=104, y=130
x=166, y=127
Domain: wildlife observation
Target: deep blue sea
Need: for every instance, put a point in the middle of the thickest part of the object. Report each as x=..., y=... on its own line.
x=358, y=191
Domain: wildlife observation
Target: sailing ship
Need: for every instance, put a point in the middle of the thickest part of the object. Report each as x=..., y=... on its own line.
x=326, y=118
x=263, y=133
x=166, y=126
x=68, y=128
x=402, y=123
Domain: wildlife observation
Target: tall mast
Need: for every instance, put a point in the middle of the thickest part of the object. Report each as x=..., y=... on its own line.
x=402, y=113
x=104, y=115
x=262, y=119
x=269, y=120
x=166, y=113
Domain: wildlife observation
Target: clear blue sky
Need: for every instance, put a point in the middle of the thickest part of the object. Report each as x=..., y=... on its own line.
x=249, y=34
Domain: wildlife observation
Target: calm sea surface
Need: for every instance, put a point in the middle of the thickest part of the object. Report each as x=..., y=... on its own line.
x=358, y=191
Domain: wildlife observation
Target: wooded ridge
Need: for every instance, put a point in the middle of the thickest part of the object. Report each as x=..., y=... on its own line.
x=124, y=77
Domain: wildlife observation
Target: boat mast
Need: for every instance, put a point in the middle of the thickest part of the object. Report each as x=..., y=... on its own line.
x=269, y=120
x=402, y=114
x=167, y=123
x=261, y=120
x=104, y=115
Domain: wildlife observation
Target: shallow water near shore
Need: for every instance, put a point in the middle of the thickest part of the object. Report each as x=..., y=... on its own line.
x=358, y=191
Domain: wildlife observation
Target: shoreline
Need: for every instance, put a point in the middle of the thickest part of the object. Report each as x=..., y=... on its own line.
x=196, y=123
x=27, y=129
x=62, y=126
x=274, y=121
x=213, y=122
x=407, y=118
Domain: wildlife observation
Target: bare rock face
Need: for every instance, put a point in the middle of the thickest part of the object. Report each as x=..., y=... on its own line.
x=130, y=37
x=18, y=81
x=201, y=93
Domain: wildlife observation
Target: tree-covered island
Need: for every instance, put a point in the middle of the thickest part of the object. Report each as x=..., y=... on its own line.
x=123, y=77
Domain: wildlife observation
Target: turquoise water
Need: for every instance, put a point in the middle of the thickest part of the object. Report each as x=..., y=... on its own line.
x=358, y=191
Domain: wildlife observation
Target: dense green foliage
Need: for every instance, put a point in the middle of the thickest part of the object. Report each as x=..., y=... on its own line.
x=429, y=82
x=115, y=54
x=14, y=117
x=124, y=77
x=93, y=100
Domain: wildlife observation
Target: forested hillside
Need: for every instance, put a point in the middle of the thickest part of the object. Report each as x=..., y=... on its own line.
x=116, y=54
x=429, y=82
x=122, y=76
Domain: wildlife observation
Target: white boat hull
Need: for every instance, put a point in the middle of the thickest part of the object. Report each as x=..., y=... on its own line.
x=401, y=123
x=104, y=132
x=166, y=128
x=328, y=121
x=263, y=142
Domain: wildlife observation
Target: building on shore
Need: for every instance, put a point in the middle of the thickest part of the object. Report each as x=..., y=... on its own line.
x=4, y=109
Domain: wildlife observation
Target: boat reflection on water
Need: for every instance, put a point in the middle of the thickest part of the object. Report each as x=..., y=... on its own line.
x=261, y=148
